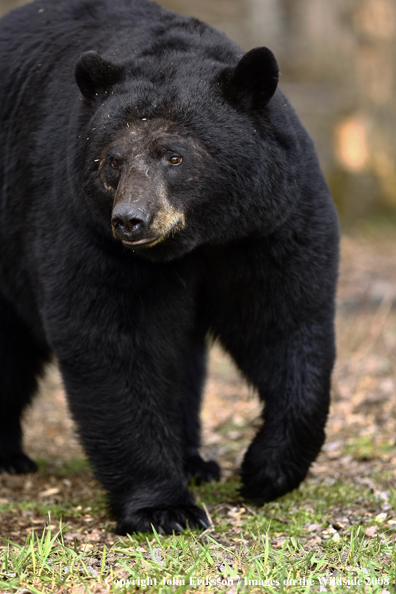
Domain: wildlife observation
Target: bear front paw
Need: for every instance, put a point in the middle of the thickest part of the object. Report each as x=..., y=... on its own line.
x=165, y=520
x=263, y=488
x=269, y=482
x=269, y=471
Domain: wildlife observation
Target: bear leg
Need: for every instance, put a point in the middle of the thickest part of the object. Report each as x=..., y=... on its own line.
x=191, y=396
x=128, y=417
x=121, y=355
x=21, y=361
x=292, y=374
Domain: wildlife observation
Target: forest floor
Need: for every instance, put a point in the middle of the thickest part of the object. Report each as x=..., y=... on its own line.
x=359, y=450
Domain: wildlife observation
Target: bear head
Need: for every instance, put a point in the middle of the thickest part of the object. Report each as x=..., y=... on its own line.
x=179, y=155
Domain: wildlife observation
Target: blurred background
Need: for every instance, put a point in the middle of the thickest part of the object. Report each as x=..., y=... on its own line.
x=337, y=68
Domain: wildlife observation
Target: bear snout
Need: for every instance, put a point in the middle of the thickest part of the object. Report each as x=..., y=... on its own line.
x=131, y=224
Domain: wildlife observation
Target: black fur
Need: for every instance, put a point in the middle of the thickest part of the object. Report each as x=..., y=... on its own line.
x=157, y=189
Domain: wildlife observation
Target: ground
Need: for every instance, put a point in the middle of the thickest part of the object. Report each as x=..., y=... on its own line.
x=355, y=473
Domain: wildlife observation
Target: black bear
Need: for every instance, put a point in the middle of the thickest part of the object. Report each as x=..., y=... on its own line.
x=157, y=189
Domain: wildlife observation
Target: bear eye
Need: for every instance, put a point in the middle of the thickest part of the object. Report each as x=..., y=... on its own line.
x=175, y=160
x=115, y=164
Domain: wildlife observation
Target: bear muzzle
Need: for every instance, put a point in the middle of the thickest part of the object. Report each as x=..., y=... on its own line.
x=131, y=225
x=137, y=226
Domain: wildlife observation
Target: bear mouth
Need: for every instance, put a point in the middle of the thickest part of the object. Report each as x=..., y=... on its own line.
x=142, y=243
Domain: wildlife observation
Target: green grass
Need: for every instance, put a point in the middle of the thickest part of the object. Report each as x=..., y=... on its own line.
x=366, y=448
x=67, y=467
x=248, y=549
x=73, y=508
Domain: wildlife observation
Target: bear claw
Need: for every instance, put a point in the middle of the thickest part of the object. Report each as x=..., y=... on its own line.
x=163, y=520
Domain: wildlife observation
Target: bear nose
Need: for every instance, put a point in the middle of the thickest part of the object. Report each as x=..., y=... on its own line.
x=129, y=221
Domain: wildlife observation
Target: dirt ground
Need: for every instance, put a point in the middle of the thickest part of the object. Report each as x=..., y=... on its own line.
x=363, y=410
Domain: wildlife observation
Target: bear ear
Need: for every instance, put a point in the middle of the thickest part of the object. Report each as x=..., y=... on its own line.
x=93, y=74
x=253, y=81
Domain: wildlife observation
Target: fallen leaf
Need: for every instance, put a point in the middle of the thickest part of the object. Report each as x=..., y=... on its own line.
x=49, y=492
x=371, y=531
